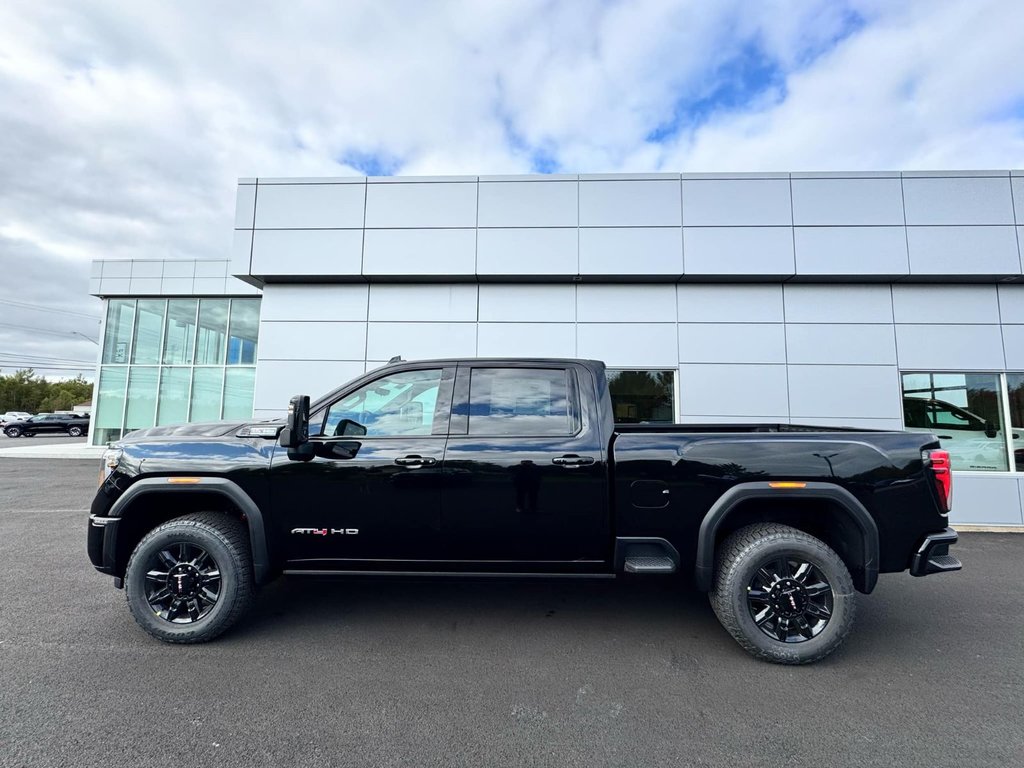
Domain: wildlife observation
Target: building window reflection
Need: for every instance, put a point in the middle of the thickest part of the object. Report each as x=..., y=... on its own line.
x=965, y=411
x=643, y=397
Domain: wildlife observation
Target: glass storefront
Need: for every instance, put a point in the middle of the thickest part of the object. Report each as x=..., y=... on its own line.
x=168, y=361
x=965, y=411
x=1015, y=385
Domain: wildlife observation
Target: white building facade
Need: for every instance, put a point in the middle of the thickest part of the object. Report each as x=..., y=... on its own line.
x=881, y=300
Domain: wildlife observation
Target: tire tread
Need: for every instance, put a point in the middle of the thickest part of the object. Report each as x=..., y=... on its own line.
x=732, y=551
x=235, y=536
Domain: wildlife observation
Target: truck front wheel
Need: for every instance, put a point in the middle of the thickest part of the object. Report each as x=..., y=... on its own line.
x=190, y=579
x=783, y=595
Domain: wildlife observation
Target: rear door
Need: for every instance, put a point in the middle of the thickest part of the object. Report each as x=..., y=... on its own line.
x=524, y=469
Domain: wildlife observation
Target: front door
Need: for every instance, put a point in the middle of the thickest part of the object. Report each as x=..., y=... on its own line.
x=524, y=470
x=372, y=497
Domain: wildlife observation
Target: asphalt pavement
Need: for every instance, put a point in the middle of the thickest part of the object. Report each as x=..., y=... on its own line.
x=488, y=673
x=14, y=442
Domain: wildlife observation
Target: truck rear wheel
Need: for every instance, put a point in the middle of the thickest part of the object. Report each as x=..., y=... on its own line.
x=783, y=595
x=191, y=579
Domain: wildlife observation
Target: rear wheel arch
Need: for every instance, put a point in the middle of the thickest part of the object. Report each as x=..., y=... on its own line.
x=824, y=510
x=150, y=502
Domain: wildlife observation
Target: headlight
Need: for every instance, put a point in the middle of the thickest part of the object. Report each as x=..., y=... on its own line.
x=111, y=457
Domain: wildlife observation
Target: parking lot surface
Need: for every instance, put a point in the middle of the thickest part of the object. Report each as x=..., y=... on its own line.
x=13, y=442
x=488, y=673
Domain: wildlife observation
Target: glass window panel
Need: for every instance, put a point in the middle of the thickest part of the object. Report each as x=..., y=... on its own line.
x=173, y=405
x=1015, y=383
x=180, y=331
x=239, y=384
x=117, y=333
x=141, y=412
x=519, y=401
x=206, y=394
x=110, y=404
x=400, y=404
x=149, y=326
x=213, y=331
x=964, y=410
x=642, y=397
x=245, y=327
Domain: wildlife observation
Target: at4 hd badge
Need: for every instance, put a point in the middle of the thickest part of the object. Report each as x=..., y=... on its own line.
x=327, y=531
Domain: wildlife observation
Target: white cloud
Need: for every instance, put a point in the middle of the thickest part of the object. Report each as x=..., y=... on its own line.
x=125, y=125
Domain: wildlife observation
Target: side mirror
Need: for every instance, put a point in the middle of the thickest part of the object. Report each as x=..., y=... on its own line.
x=296, y=431
x=990, y=429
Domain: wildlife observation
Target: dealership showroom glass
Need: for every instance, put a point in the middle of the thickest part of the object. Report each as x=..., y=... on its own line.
x=869, y=300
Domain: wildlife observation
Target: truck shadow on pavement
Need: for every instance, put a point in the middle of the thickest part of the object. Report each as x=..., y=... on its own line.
x=902, y=619
x=329, y=604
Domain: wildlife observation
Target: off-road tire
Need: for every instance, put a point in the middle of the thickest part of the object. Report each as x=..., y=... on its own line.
x=227, y=542
x=737, y=561
x=13, y=431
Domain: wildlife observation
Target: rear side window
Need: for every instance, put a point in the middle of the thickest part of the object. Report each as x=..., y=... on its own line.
x=521, y=401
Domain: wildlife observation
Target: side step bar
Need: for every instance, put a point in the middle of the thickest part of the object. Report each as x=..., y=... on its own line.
x=933, y=555
x=645, y=555
x=649, y=565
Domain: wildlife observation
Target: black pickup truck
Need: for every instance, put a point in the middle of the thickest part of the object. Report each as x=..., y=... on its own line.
x=48, y=423
x=516, y=467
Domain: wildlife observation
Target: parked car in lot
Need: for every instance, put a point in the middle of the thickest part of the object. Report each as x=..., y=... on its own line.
x=515, y=467
x=48, y=423
x=14, y=416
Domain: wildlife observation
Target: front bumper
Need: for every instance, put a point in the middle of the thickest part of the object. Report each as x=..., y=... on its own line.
x=933, y=556
x=102, y=534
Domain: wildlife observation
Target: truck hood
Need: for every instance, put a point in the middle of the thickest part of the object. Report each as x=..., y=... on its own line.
x=199, y=429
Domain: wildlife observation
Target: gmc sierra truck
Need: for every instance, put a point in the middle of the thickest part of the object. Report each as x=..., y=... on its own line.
x=517, y=468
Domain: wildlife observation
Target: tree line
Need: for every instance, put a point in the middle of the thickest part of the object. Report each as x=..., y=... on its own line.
x=25, y=391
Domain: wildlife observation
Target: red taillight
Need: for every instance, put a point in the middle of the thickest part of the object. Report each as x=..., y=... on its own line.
x=938, y=461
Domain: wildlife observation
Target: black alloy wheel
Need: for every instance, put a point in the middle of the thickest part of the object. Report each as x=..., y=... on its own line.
x=191, y=578
x=790, y=599
x=182, y=583
x=784, y=595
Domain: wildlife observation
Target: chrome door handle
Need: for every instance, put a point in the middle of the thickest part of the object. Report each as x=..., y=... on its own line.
x=572, y=460
x=415, y=461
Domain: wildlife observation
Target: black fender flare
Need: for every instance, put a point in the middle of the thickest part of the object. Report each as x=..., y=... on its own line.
x=704, y=567
x=218, y=485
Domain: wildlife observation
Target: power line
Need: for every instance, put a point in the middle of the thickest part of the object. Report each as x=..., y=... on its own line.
x=38, y=367
x=43, y=330
x=68, y=360
x=44, y=308
x=44, y=364
x=18, y=353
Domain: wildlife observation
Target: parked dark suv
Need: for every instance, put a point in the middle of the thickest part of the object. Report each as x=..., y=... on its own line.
x=44, y=423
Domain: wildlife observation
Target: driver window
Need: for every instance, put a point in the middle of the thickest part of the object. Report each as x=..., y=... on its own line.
x=391, y=406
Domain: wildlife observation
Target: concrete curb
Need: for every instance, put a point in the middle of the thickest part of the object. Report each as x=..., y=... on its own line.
x=73, y=451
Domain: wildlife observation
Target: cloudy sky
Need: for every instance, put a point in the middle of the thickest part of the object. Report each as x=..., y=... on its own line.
x=124, y=125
